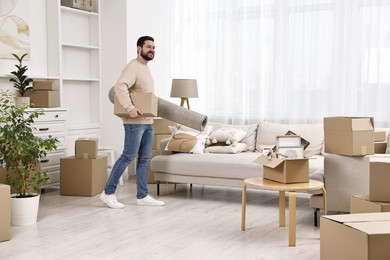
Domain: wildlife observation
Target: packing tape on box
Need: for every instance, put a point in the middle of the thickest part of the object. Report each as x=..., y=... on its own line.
x=175, y=113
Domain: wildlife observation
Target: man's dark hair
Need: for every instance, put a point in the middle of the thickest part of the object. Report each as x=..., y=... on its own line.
x=142, y=39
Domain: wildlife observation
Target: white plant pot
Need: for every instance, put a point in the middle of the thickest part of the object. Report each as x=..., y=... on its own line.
x=22, y=101
x=24, y=211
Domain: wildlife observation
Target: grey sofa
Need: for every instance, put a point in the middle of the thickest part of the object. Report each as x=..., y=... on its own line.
x=343, y=176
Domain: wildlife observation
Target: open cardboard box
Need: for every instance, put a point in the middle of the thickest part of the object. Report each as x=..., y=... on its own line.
x=362, y=204
x=284, y=171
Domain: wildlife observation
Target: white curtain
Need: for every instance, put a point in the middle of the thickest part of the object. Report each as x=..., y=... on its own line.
x=293, y=61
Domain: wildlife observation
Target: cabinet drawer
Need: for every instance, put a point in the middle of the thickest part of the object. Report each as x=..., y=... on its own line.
x=54, y=177
x=60, y=136
x=52, y=159
x=48, y=128
x=56, y=115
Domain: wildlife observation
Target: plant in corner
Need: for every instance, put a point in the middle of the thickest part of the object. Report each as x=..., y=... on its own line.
x=20, y=150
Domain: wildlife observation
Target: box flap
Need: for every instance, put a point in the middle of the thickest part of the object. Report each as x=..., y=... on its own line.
x=265, y=161
x=382, y=158
x=361, y=217
x=371, y=227
x=362, y=124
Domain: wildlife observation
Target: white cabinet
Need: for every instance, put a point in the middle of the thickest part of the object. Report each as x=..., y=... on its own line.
x=52, y=124
x=74, y=56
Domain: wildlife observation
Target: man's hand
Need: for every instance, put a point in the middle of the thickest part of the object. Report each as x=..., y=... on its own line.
x=135, y=112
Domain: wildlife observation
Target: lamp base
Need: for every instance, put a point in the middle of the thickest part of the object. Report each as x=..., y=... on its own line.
x=184, y=100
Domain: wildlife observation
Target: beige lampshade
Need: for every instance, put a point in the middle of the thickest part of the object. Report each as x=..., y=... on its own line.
x=184, y=88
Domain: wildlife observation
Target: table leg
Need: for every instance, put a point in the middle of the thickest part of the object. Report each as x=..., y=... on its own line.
x=292, y=218
x=282, y=209
x=324, y=202
x=243, y=207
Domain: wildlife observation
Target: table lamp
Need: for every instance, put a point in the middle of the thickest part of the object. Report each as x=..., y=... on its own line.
x=184, y=89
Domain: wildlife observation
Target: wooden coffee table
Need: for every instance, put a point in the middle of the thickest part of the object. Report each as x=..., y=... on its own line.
x=292, y=188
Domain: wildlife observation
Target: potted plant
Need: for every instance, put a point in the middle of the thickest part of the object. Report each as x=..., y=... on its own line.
x=21, y=152
x=21, y=80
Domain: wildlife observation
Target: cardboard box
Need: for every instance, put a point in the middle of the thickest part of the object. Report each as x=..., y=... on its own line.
x=380, y=147
x=83, y=177
x=43, y=98
x=5, y=212
x=379, y=136
x=157, y=139
x=355, y=236
x=87, y=5
x=379, y=179
x=86, y=148
x=362, y=204
x=284, y=171
x=161, y=126
x=44, y=85
x=353, y=136
x=146, y=102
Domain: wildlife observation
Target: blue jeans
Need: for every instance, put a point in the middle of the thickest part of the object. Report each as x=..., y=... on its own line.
x=138, y=141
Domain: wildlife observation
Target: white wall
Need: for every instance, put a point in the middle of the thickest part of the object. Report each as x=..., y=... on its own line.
x=131, y=19
x=37, y=65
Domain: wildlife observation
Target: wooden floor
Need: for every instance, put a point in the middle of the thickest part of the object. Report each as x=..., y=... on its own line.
x=200, y=224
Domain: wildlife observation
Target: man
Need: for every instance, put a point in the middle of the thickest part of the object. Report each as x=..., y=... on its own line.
x=135, y=77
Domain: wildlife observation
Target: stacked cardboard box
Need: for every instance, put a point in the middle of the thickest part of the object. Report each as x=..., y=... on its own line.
x=351, y=136
x=161, y=131
x=378, y=199
x=44, y=94
x=84, y=174
x=380, y=143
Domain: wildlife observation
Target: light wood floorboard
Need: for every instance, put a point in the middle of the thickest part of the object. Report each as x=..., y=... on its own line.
x=204, y=223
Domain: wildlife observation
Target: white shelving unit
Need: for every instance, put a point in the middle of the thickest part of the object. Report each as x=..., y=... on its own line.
x=74, y=56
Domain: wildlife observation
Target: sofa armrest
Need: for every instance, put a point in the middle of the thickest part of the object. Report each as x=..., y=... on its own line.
x=163, y=144
x=345, y=176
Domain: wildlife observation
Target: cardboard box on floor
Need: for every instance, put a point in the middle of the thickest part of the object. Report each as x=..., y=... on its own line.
x=380, y=147
x=353, y=136
x=379, y=179
x=362, y=204
x=86, y=148
x=379, y=136
x=5, y=212
x=83, y=177
x=43, y=98
x=146, y=102
x=355, y=236
x=284, y=171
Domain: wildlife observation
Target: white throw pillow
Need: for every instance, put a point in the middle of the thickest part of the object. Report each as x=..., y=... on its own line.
x=250, y=137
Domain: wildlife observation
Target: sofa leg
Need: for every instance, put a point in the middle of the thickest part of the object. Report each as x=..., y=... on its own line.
x=191, y=187
x=316, y=217
x=158, y=188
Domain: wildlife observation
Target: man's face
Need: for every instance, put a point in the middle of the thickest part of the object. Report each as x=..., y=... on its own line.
x=147, y=51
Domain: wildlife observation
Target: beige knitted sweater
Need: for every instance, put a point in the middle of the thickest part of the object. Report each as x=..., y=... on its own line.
x=135, y=77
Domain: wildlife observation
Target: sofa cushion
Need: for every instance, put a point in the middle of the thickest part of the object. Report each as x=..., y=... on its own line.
x=267, y=132
x=238, y=148
x=187, y=140
x=250, y=137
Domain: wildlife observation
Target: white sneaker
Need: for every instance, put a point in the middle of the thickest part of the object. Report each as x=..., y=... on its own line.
x=149, y=201
x=111, y=201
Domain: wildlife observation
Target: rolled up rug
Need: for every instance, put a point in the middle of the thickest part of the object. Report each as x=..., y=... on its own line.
x=175, y=113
